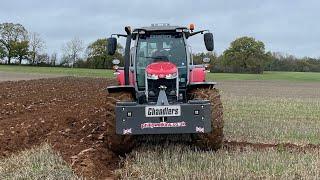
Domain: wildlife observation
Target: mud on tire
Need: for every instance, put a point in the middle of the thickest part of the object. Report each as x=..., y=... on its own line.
x=214, y=139
x=119, y=144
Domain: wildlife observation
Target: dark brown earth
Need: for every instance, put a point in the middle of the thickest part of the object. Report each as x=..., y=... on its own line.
x=67, y=112
x=243, y=146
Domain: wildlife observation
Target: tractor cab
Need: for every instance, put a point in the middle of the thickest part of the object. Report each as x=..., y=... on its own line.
x=161, y=48
x=161, y=60
x=160, y=57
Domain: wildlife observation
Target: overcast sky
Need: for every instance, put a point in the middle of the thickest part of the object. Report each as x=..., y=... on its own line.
x=288, y=26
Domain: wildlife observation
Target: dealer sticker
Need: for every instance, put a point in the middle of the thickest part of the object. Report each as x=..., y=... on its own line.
x=162, y=111
x=164, y=125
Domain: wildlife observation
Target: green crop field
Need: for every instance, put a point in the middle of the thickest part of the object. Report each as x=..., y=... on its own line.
x=269, y=75
x=58, y=70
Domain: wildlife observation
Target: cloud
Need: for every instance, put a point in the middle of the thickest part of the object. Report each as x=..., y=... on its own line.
x=288, y=26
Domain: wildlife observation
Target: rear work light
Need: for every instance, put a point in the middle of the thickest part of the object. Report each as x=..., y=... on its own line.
x=196, y=112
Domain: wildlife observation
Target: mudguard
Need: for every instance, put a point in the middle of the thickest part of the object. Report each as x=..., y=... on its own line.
x=121, y=88
x=201, y=85
x=197, y=74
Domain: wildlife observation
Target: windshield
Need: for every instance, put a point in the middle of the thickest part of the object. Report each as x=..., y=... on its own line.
x=161, y=47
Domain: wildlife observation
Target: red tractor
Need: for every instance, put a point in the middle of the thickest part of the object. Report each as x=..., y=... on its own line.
x=160, y=90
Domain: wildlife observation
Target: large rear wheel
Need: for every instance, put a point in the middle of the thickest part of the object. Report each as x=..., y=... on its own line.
x=119, y=144
x=214, y=139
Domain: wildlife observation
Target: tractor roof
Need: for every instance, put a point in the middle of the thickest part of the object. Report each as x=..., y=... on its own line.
x=160, y=27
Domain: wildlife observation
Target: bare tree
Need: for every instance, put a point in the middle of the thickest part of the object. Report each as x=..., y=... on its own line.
x=43, y=59
x=53, y=59
x=73, y=50
x=36, y=46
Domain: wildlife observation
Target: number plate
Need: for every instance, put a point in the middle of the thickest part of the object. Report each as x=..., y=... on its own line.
x=162, y=111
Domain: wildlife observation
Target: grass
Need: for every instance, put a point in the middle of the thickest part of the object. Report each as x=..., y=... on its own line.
x=58, y=70
x=37, y=163
x=257, y=112
x=272, y=120
x=272, y=112
x=182, y=162
x=268, y=75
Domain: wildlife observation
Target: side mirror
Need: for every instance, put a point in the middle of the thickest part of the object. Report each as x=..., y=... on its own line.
x=116, y=61
x=206, y=60
x=112, y=45
x=208, y=41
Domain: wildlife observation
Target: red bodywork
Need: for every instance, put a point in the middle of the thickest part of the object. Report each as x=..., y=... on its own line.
x=197, y=74
x=120, y=77
x=161, y=69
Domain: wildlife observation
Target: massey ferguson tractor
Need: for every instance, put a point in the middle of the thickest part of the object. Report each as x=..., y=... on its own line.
x=160, y=91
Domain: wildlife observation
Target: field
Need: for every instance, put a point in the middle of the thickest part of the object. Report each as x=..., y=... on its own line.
x=83, y=72
x=271, y=131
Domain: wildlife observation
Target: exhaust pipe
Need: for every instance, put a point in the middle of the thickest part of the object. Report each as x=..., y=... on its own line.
x=127, y=55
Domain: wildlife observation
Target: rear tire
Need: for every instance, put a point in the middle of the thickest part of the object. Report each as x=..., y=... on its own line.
x=214, y=139
x=119, y=144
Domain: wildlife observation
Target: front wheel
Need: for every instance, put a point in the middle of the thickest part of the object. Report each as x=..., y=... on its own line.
x=214, y=139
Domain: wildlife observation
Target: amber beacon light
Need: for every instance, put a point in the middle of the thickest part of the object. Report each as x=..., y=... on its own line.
x=191, y=27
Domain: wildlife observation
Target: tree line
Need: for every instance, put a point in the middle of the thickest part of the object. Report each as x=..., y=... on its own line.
x=18, y=45
x=245, y=54
x=248, y=55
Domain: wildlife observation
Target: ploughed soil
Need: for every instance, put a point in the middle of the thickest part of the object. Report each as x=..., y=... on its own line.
x=66, y=112
x=244, y=145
